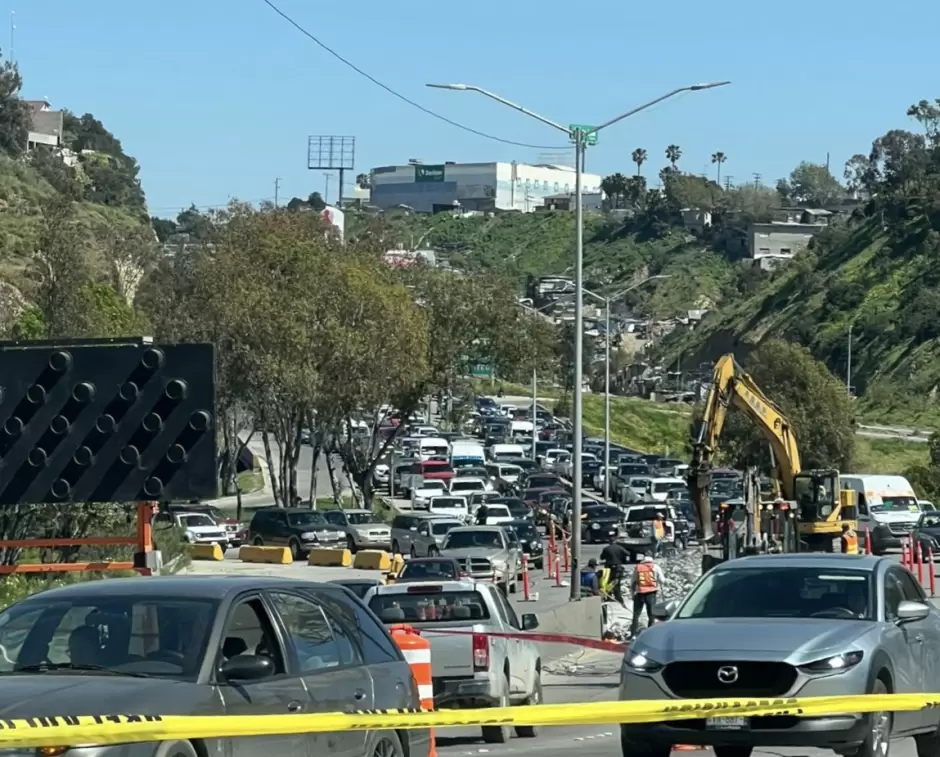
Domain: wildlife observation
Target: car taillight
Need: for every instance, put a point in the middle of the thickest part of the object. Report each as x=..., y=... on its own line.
x=481, y=652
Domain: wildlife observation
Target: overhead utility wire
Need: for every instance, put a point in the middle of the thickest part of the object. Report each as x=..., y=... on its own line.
x=399, y=95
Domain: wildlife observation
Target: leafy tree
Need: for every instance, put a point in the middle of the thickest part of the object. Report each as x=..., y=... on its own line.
x=688, y=191
x=14, y=112
x=62, y=177
x=316, y=201
x=195, y=224
x=164, y=228
x=815, y=402
x=718, y=158
x=810, y=184
x=927, y=114
x=673, y=153
x=639, y=157
x=615, y=187
x=363, y=181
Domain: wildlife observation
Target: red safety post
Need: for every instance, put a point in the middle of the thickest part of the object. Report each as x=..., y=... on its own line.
x=551, y=534
x=904, y=552
x=932, y=574
x=919, y=559
x=558, y=572
x=549, y=561
x=565, y=550
x=867, y=541
x=525, y=577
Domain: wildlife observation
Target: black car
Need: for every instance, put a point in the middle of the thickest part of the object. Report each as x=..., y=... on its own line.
x=600, y=522
x=927, y=533
x=589, y=469
x=530, y=540
x=301, y=530
x=517, y=508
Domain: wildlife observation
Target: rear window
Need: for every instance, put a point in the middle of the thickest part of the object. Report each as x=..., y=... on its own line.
x=541, y=482
x=472, y=539
x=447, y=502
x=467, y=486
x=439, y=528
x=602, y=512
x=642, y=513
x=497, y=511
x=633, y=469
x=667, y=487
x=429, y=605
x=433, y=466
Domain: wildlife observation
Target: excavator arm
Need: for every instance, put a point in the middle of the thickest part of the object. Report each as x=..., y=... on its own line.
x=732, y=386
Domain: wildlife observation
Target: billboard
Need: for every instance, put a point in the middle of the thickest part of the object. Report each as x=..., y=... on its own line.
x=429, y=173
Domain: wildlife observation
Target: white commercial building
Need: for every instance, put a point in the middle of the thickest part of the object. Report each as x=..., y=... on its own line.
x=473, y=186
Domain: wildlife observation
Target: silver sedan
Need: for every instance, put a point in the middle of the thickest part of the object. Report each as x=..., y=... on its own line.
x=775, y=626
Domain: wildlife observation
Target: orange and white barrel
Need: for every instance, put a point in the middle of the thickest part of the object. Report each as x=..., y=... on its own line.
x=417, y=652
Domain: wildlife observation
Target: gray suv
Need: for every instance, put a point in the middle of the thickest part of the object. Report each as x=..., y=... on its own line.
x=420, y=534
x=775, y=626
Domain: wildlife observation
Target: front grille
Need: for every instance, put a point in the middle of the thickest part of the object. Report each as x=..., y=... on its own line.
x=477, y=566
x=754, y=679
x=900, y=529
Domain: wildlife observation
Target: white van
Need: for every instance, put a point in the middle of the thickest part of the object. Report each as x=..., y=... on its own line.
x=887, y=508
x=507, y=450
x=659, y=488
x=521, y=428
x=464, y=454
x=450, y=505
x=432, y=446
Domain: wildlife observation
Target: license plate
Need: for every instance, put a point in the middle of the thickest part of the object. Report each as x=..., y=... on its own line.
x=726, y=724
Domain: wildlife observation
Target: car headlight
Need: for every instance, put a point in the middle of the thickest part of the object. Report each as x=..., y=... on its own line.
x=308, y=535
x=595, y=526
x=835, y=663
x=640, y=663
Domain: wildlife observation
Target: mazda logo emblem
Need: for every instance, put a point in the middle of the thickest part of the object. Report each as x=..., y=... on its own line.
x=727, y=674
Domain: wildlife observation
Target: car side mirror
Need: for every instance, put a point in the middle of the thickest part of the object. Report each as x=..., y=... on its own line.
x=247, y=668
x=529, y=621
x=413, y=528
x=909, y=611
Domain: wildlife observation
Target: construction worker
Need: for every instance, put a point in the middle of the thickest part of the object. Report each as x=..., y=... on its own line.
x=644, y=587
x=590, y=581
x=615, y=557
x=659, y=534
x=849, y=540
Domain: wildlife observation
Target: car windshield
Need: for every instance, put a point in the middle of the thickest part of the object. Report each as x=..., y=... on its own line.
x=929, y=520
x=434, y=570
x=361, y=519
x=471, y=539
x=661, y=488
x=194, y=520
x=896, y=505
x=133, y=636
x=306, y=518
x=439, y=486
x=448, y=503
x=603, y=512
x=526, y=531
x=637, y=514
x=442, y=527
x=429, y=604
x=465, y=486
x=781, y=592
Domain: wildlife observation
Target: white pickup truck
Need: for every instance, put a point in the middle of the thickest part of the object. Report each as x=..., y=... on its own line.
x=469, y=669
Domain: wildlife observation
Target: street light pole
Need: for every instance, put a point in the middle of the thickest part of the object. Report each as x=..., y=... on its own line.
x=607, y=400
x=535, y=401
x=579, y=136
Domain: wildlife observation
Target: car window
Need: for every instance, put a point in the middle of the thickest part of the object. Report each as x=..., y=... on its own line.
x=909, y=587
x=506, y=609
x=376, y=645
x=334, y=516
x=894, y=595
x=248, y=631
x=310, y=633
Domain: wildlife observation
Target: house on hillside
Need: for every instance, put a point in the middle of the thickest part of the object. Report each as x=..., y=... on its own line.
x=45, y=125
x=771, y=244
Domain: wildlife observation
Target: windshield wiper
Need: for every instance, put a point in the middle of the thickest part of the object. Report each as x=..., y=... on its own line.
x=48, y=667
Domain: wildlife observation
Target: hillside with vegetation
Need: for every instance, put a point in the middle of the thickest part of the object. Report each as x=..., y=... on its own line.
x=875, y=277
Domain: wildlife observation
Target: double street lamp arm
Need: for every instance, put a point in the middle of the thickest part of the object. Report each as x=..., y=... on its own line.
x=579, y=136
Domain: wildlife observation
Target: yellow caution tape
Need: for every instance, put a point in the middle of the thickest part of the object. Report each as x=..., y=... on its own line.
x=121, y=729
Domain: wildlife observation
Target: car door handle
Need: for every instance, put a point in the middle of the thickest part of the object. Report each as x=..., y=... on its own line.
x=919, y=639
x=360, y=694
x=295, y=706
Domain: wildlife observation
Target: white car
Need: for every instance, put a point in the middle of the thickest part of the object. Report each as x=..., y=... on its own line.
x=599, y=478
x=426, y=491
x=567, y=464
x=469, y=484
x=551, y=456
x=450, y=505
x=496, y=514
x=199, y=528
x=380, y=474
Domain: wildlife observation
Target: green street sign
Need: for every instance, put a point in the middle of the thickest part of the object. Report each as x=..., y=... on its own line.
x=481, y=370
x=590, y=140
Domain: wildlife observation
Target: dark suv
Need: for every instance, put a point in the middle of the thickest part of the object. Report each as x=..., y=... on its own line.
x=299, y=529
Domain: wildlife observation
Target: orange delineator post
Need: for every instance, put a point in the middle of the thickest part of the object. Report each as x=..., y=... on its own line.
x=867, y=542
x=525, y=577
x=557, y=572
x=918, y=558
x=564, y=546
x=904, y=552
x=551, y=535
x=932, y=574
x=417, y=652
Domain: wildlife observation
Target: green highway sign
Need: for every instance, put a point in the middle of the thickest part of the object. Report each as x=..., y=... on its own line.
x=590, y=140
x=481, y=370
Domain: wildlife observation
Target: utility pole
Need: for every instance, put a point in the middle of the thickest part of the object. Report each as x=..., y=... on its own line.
x=728, y=183
x=848, y=370
x=326, y=189
x=12, y=36
x=277, y=190
x=757, y=178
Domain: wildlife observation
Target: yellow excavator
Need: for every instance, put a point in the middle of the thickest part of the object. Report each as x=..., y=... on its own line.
x=816, y=497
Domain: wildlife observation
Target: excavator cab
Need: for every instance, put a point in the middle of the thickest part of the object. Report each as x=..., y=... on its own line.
x=823, y=507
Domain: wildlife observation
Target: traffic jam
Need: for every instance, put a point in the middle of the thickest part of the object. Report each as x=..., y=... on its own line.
x=735, y=590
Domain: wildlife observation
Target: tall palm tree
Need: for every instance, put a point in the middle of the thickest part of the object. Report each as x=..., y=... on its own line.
x=718, y=158
x=639, y=157
x=673, y=153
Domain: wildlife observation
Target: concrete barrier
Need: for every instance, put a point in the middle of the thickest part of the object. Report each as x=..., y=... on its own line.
x=268, y=555
x=372, y=559
x=584, y=618
x=330, y=558
x=206, y=552
x=397, y=563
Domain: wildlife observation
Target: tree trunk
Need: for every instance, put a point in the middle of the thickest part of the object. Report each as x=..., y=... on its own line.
x=317, y=446
x=334, y=483
x=275, y=484
x=228, y=467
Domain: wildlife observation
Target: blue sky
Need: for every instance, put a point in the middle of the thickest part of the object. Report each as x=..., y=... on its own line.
x=216, y=99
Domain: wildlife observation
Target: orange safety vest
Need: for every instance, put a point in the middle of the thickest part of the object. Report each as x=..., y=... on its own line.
x=659, y=529
x=849, y=543
x=646, y=578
